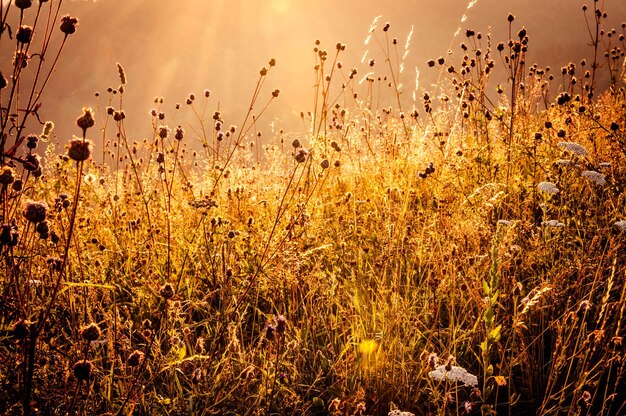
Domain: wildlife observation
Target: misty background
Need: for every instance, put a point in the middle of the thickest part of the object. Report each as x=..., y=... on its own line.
x=173, y=48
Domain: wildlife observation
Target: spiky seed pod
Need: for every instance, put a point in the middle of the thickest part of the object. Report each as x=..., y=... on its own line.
x=20, y=329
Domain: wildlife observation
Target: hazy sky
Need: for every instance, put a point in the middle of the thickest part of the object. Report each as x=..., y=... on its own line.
x=171, y=48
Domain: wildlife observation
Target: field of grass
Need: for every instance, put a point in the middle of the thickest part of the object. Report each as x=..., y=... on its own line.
x=463, y=254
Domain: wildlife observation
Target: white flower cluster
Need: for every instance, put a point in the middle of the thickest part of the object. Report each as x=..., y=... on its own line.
x=621, y=225
x=595, y=177
x=552, y=223
x=505, y=222
x=456, y=373
x=574, y=148
x=548, y=187
x=400, y=413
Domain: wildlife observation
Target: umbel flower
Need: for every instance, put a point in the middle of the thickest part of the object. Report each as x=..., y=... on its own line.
x=548, y=187
x=454, y=373
x=574, y=148
x=595, y=177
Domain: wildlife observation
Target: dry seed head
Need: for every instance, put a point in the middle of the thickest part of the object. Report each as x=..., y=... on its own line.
x=281, y=324
x=82, y=370
x=68, y=24
x=122, y=73
x=90, y=332
x=79, y=149
x=6, y=176
x=135, y=358
x=35, y=211
x=86, y=120
x=24, y=34
x=23, y=4
x=167, y=291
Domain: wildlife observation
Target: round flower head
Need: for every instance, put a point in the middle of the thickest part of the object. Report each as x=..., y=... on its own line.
x=82, y=370
x=6, y=176
x=23, y=4
x=86, y=119
x=68, y=24
x=574, y=148
x=79, y=149
x=35, y=211
x=90, y=332
x=595, y=177
x=548, y=187
x=24, y=34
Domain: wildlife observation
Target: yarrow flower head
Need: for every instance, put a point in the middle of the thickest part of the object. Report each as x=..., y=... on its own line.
x=454, y=373
x=552, y=223
x=574, y=148
x=595, y=177
x=548, y=187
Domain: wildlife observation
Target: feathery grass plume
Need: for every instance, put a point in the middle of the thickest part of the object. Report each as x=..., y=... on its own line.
x=453, y=373
x=574, y=148
x=595, y=177
x=548, y=188
x=47, y=130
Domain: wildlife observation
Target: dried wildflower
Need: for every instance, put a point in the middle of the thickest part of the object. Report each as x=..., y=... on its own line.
x=621, y=225
x=21, y=329
x=68, y=24
x=454, y=374
x=31, y=141
x=180, y=133
x=574, y=148
x=135, y=358
x=281, y=324
x=82, y=370
x=79, y=149
x=563, y=162
x=23, y=4
x=432, y=360
x=163, y=132
x=6, y=176
x=35, y=211
x=24, y=34
x=31, y=162
x=20, y=59
x=3, y=81
x=548, y=188
x=325, y=164
x=584, y=305
x=595, y=177
x=301, y=155
x=167, y=291
x=86, y=120
x=90, y=332
x=552, y=223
